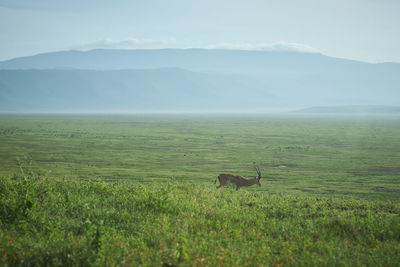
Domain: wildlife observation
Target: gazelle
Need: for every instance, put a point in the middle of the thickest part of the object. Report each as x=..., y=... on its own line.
x=238, y=180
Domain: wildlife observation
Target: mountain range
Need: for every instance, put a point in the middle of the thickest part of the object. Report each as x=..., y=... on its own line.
x=191, y=80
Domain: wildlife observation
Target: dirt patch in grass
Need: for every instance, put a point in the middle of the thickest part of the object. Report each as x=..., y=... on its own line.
x=284, y=165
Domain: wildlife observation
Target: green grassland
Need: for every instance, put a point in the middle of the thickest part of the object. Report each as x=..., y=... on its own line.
x=139, y=189
x=355, y=157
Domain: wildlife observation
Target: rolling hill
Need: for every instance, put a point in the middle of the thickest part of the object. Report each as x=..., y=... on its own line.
x=124, y=90
x=191, y=79
x=359, y=110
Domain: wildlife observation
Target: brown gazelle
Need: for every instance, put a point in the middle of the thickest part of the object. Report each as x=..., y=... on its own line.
x=239, y=181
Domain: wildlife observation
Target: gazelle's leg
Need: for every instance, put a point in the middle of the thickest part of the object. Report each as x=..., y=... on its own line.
x=237, y=188
x=221, y=184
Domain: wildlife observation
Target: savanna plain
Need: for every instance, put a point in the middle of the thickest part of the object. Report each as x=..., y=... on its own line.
x=130, y=190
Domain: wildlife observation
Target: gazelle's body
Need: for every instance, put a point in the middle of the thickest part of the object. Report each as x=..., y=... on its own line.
x=237, y=180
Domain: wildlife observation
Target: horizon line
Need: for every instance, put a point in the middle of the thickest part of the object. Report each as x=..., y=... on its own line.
x=201, y=48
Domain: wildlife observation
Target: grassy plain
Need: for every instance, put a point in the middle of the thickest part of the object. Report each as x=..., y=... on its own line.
x=129, y=190
x=340, y=156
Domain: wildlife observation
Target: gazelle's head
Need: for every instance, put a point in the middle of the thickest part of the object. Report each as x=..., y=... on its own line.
x=259, y=175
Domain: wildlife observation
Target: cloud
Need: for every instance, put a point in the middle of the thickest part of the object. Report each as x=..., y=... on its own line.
x=276, y=46
x=127, y=43
x=133, y=43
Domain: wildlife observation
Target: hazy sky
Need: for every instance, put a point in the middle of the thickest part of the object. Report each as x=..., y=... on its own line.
x=367, y=30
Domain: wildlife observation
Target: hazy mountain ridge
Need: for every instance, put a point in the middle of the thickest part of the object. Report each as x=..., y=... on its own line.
x=136, y=90
x=194, y=59
x=352, y=110
x=167, y=79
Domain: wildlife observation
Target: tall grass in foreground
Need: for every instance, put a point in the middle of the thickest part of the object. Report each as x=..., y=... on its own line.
x=81, y=222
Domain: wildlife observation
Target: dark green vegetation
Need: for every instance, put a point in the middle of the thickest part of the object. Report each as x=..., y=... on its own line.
x=80, y=222
x=130, y=190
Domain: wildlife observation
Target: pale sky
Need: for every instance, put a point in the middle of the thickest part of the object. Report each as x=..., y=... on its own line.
x=366, y=30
